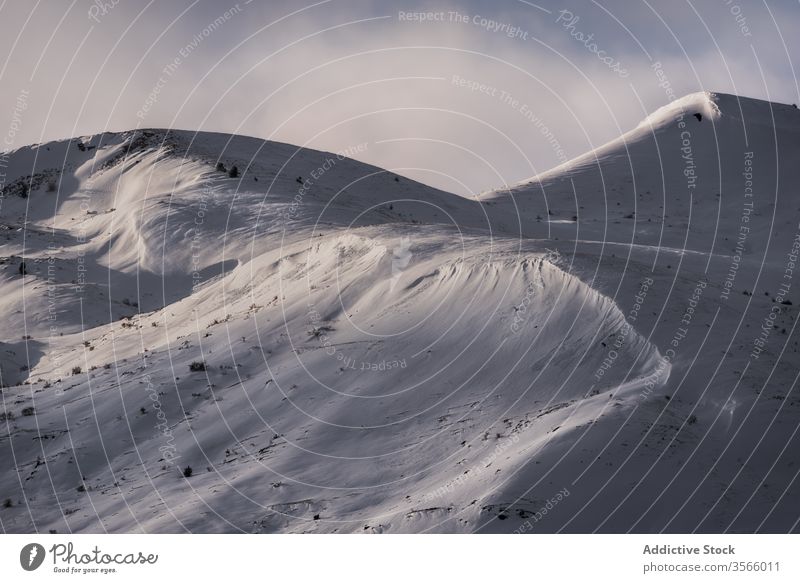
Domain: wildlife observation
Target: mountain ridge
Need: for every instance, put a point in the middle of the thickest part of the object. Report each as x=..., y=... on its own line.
x=337, y=348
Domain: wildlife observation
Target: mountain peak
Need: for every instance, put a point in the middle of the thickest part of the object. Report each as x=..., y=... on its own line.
x=702, y=103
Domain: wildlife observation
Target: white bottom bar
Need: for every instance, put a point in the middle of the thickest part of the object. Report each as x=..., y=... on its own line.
x=418, y=558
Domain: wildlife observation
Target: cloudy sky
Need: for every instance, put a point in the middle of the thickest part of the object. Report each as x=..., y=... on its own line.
x=464, y=95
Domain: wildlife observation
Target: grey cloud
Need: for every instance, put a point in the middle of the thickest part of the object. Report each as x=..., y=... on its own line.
x=320, y=79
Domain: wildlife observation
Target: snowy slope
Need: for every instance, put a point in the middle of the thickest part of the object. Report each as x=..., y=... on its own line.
x=374, y=355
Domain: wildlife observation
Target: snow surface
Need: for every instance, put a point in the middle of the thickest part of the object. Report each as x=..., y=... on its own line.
x=381, y=356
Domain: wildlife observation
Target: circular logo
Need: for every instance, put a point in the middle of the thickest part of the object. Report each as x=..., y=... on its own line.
x=31, y=556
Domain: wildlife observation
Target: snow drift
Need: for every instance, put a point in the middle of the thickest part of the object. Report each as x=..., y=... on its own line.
x=306, y=343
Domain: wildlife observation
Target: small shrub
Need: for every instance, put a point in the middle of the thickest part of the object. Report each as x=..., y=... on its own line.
x=81, y=488
x=8, y=503
x=692, y=420
x=28, y=412
x=187, y=472
x=220, y=167
x=7, y=416
x=197, y=366
x=76, y=370
x=233, y=172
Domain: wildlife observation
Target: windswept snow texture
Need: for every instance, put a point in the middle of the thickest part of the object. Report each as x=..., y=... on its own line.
x=316, y=345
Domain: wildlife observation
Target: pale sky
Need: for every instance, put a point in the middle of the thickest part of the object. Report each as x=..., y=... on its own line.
x=476, y=95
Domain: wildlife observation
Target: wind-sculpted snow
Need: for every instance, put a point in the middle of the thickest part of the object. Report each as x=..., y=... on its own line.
x=311, y=344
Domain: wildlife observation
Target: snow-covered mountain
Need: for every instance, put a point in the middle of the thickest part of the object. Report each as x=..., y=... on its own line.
x=311, y=344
